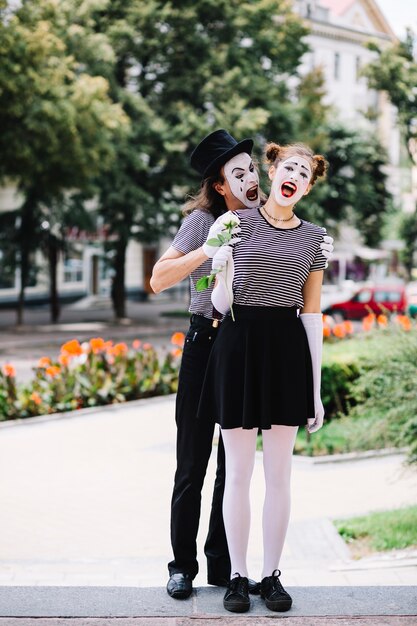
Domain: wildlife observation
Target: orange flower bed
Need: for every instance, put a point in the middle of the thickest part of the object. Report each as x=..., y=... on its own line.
x=9, y=370
x=96, y=372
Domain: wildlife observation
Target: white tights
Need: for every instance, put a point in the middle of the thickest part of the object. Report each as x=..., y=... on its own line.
x=240, y=446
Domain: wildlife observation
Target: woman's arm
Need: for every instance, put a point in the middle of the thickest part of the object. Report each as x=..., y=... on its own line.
x=174, y=266
x=312, y=292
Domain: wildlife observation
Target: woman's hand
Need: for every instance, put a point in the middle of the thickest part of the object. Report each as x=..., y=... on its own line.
x=315, y=423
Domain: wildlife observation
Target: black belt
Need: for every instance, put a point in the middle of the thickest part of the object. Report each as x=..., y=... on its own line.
x=205, y=321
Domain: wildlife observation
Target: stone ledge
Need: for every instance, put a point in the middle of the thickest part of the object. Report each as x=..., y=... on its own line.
x=205, y=603
x=243, y=620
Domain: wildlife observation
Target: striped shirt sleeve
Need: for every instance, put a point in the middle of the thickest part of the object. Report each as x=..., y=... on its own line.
x=193, y=231
x=320, y=262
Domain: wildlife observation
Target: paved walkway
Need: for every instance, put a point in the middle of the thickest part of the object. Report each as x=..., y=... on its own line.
x=85, y=501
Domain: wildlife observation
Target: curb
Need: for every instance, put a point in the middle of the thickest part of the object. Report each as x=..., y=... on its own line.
x=108, y=408
x=351, y=456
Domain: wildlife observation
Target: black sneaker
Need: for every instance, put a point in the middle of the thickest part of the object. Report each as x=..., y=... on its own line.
x=253, y=586
x=236, y=598
x=274, y=594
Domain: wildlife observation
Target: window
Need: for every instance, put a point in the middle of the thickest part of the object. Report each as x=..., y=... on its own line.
x=363, y=296
x=387, y=296
x=73, y=267
x=336, y=69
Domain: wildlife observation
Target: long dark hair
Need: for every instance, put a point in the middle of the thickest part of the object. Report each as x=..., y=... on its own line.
x=207, y=198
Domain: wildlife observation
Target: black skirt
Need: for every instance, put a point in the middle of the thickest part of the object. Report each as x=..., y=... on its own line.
x=259, y=371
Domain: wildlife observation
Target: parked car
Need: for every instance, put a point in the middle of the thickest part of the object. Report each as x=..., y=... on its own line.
x=376, y=299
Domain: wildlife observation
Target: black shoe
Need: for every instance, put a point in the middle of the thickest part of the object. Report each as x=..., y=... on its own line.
x=274, y=594
x=236, y=598
x=253, y=586
x=180, y=586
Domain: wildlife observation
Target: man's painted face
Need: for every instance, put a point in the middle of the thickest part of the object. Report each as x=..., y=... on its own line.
x=243, y=179
x=291, y=180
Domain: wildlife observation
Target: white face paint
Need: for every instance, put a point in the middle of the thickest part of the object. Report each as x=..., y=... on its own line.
x=291, y=180
x=243, y=179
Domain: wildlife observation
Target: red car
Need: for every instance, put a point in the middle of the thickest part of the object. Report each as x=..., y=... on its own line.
x=375, y=299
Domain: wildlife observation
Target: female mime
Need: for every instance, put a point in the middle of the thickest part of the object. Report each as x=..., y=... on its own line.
x=264, y=369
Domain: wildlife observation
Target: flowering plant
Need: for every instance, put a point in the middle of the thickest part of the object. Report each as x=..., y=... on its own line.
x=223, y=238
x=222, y=261
x=92, y=373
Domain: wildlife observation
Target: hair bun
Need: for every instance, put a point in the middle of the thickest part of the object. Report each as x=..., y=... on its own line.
x=320, y=164
x=272, y=152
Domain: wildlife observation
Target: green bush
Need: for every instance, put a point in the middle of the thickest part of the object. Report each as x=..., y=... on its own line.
x=336, y=380
x=369, y=382
x=386, y=390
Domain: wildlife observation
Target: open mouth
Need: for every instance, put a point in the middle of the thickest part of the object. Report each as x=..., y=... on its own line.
x=252, y=193
x=288, y=189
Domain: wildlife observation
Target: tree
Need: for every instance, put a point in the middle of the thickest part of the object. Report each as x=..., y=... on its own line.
x=394, y=71
x=355, y=188
x=58, y=123
x=184, y=68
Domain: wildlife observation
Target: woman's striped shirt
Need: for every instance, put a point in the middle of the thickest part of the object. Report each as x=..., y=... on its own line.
x=192, y=235
x=272, y=264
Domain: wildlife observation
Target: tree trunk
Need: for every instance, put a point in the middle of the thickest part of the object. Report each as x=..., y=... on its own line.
x=53, y=253
x=118, y=292
x=24, y=271
x=26, y=238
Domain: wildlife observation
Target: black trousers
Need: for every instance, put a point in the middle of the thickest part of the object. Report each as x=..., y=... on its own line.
x=194, y=445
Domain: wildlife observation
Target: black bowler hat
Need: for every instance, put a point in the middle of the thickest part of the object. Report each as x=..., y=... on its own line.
x=215, y=150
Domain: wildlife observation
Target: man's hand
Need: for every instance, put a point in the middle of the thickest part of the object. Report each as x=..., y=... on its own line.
x=327, y=247
x=220, y=232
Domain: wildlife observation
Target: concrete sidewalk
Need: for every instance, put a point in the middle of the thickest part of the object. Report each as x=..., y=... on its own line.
x=86, y=502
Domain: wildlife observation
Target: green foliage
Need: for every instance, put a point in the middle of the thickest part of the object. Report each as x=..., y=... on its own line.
x=58, y=121
x=355, y=187
x=8, y=395
x=394, y=71
x=336, y=380
x=408, y=233
x=190, y=67
x=386, y=386
x=380, y=403
x=384, y=530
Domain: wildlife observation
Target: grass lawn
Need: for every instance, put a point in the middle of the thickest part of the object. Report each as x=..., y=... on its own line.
x=376, y=532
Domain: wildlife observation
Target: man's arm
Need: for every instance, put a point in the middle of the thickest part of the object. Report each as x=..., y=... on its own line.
x=174, y=266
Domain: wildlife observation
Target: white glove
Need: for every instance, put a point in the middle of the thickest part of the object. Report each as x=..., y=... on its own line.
x=327, y=248
x=216, y=229
x=222, y=294
x=313, y=324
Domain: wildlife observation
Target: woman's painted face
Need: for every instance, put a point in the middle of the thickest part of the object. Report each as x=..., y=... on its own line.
x=291, y=180
x=243, y=179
